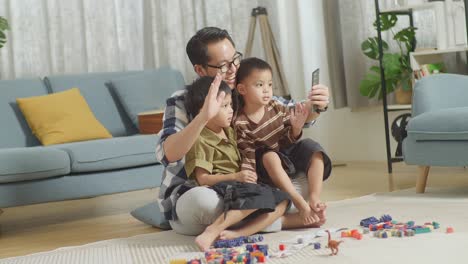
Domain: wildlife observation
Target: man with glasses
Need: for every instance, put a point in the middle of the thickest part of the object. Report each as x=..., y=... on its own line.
x=211, y=52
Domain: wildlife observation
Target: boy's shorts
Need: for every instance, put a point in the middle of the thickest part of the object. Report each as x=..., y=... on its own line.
x=294, y=159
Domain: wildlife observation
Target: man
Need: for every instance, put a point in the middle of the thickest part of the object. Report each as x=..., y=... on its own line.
x=212, y=52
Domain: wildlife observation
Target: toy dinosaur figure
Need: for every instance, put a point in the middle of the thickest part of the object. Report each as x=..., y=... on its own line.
x=333, y=244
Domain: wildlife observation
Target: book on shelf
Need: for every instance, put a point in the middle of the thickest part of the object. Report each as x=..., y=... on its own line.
x=429, y=69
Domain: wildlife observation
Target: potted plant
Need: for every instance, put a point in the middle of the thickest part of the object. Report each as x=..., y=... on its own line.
x=396, y=65
x=3, y=27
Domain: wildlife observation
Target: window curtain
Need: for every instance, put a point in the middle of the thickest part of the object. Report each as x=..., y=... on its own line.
x=78, y=36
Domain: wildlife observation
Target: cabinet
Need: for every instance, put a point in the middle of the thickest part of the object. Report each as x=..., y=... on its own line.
x=150, y=122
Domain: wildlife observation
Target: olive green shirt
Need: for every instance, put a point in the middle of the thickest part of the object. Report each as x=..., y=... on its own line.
x=214, y=154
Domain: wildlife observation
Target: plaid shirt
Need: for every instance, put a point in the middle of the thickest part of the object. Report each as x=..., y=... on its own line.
x=174, y=176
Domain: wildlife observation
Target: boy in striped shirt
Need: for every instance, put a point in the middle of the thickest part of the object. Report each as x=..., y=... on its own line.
x=268, y=135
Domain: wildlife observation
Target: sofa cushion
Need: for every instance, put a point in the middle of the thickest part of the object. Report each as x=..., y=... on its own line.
x=110, y=154
x=445, y=124
x=151, y=215
x=14, y=131
x=22, y=164
x=101, y=100
x=146, y=91
x=61, y=117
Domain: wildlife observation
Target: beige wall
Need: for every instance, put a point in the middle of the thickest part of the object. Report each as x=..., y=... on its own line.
x=353, y=135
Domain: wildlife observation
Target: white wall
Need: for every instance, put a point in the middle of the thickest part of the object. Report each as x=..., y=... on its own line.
x=346, y=135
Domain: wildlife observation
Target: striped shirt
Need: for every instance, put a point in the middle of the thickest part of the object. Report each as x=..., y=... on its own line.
x=174, y=176
x=272, y=132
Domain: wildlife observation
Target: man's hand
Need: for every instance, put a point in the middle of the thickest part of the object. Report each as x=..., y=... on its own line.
x=246, y=176
x=298, y=118
x=213, y=101
x=319, y=96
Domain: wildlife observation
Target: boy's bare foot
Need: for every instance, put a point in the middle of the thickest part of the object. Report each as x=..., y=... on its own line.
x=322, y=217
x=294, y=220
x=318, y=208
x=206, y=239
x=229, y=234
x=307, y=214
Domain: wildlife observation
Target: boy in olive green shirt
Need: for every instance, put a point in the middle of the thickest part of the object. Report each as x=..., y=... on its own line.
x=214, y=154
x=214, y=160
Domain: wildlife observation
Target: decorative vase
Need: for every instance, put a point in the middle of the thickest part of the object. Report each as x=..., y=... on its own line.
x=402, y=96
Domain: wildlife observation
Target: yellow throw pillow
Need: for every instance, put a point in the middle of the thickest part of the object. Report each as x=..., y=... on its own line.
x=61, y=118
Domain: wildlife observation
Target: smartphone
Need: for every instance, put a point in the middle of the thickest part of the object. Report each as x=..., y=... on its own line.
x=315, y=77
x=315, y=81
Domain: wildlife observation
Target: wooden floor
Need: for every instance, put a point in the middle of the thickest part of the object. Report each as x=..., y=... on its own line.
x=43, y=227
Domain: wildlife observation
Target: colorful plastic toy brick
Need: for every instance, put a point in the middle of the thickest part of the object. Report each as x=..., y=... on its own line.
x=449, y=230
x=263, y=249
x=236, y=255
x=300, y=240
x=282, y=247
x=409, y=232
x=365, y=230
x=236, y=242
x=421, y=230
x=317, y=245
x=430, y=226
x=345, y=233
x=385, y=218
x=369, y=221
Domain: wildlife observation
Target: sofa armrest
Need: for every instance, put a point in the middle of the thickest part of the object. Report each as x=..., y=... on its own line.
x=440, y=91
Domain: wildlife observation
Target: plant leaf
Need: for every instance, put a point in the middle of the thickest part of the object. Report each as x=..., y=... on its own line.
x=387, y=21
x=406, y=36
x=375, y=69
x=369, y=85
x=389, y=88
x=370, y=47
x=4, y=24
x=392, y=65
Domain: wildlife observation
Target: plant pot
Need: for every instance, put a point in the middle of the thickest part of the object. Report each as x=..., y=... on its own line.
x=402, y=96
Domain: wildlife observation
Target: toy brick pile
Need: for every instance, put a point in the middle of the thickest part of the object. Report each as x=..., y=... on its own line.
x=233, y=251
x=247, y=250
x=238, y=250
x=386, y=227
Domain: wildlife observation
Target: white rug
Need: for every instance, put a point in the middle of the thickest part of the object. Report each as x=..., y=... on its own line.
x=449, y=207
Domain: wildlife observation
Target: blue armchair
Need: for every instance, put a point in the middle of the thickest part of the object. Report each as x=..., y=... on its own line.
x=438, y=129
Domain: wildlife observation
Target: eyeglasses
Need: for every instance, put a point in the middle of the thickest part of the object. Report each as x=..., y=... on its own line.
x=225, y=67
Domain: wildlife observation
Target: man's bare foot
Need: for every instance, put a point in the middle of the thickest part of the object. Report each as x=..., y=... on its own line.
x=206, y=239
x=229, y=234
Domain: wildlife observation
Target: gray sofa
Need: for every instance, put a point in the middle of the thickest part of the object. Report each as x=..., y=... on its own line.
x=31, y=173
x=438, y=129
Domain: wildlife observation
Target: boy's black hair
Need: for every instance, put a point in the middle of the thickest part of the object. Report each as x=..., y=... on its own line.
x=197, y=91
x=248, y=65
x=197, y=47
x=245, y=69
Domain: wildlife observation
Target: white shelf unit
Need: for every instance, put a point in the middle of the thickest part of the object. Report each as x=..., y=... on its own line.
x=449, y=57
x=440, y=19
x=398, y=107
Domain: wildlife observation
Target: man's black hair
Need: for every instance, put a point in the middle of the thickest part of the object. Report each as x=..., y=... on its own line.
x=197, y=91
x=248, y=65
x=197, y=47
